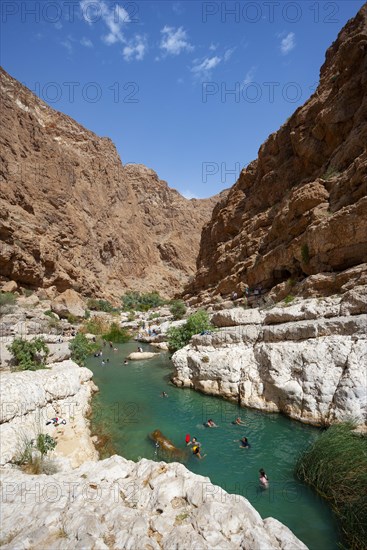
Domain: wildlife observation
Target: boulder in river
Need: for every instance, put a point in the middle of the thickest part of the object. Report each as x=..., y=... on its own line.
x=139, y=355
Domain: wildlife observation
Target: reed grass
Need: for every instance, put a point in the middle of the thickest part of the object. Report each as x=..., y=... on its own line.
x=336, y=467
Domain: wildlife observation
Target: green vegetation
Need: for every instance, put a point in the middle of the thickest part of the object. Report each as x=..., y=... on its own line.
x=153, y=316
x=116, y=334
x=27, y=292
x=205, y=359
x=100, y=305
x=178, y=309
x=80, y=348
x=331, y=172
x=50, y=313
x=29, y=355
x=7, y=299
x=72, y=319
x=45, y=443
x=336, y=466
x=36, y=463
x=87, y=314
x=179, y=337
x=288, y=299
x=135, y=301
x=305, y=253
x=95, y=325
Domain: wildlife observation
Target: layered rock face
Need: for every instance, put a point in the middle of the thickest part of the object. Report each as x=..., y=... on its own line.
x=120, y=504
x=29, y=399
x=306, y=360
x=72, y=216
x=300, y=209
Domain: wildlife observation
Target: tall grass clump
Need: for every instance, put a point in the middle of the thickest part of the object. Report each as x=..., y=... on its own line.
x=336, y=467
x=116, y=334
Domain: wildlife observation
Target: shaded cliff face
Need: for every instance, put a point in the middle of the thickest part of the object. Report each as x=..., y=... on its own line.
x=301, y=207
x=72, y=216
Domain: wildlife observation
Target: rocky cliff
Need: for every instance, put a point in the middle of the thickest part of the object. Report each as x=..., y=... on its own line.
x=300, y=209
x=305, y=359
x=72, y=216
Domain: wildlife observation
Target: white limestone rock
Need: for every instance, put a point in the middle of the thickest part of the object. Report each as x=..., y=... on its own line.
x=237, y=316
x=116, y=503
x=305, y=360
x=30, y=398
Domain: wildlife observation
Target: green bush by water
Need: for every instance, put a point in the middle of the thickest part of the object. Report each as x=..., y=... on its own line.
x=116, y=334
x=179, y=337
x=81, y=348
x=336, y=466
x=29, y=355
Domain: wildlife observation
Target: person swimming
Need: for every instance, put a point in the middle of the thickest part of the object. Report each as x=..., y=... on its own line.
x=193, y=442
x=263, y=478
x=238, y=421
x=164, y=394
x=196, y=451
x=210, y=424
x=244, y=443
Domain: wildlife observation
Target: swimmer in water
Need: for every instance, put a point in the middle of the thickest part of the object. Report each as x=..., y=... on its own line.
x=196, y=452
x=211, y=424
x=244, y=443
x=238, y=421
x=263, y=478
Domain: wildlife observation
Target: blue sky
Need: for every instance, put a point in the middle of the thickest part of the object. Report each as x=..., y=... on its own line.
x=190, y=89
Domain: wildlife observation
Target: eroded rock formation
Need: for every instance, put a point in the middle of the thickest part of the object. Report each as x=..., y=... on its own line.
x=300, y=209
x=120, y=504
x=72, y=216
x=306, y=360
x=29, y=399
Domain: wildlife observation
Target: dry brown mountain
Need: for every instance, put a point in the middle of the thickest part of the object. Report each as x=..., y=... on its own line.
x=299, y=211
x=72, y=216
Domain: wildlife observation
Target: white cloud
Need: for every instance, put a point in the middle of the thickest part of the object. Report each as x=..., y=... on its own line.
x=213, y=47
x=86, y=42
x=249, y=76
x=67, y=44
x=113, y=16
x=135, y=49
x=58, y=25
x=202, y=69
x=228, y=54
x=188, y=194
x=175, y=41
x=288, y=43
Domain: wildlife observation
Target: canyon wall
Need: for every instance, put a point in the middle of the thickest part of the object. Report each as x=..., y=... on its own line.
x=300, y=209
x=72, y=216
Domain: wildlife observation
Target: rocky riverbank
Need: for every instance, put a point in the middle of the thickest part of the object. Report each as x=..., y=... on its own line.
x=304, y=359
x=119, y=504
x=114, y=503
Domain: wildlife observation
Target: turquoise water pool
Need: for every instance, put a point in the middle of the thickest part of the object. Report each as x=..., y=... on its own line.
x=129, y=403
